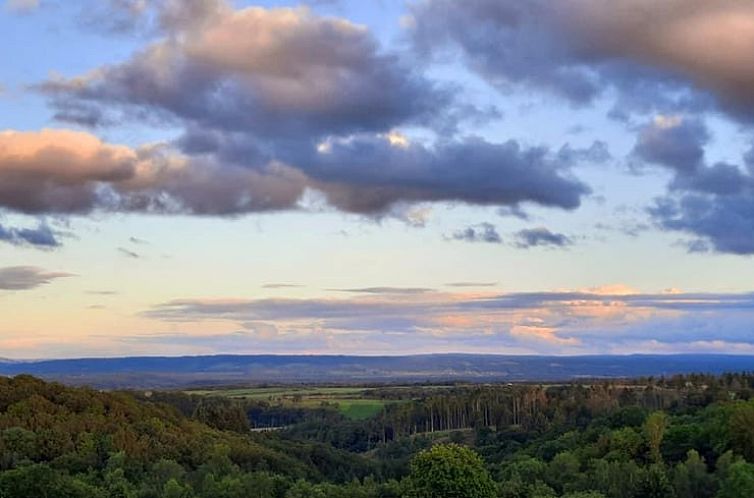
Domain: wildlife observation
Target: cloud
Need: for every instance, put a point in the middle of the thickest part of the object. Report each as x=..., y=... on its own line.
x=252, y=337
x=70, y=172
x=41, y=237
x=27, y=277
x=483, y=232
x=386, y=290
x=281, y=286
x=63, y=171
x=58, y=171
x=513, y=211
x=128, y=253
x=471, y=284
x=541, y=237
x=657, y=55
x=749, y=159
x=266, y=309
x=597, y=153
x=673, y=142
x=269, y=72
x=273, y=102
x=726, y=222
x=714, y=203
x=368, y=174
x=613, y=318
x=22, y=6
x=117, y=16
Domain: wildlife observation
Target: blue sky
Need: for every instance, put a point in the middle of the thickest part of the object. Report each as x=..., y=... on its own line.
x=375, y=177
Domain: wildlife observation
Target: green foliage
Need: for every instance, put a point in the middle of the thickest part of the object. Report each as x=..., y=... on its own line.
x=742, y=430
x=623, y=444
x=654, y=428
x=655, y=483
x=739, y=482
x=41, y=481
x=222, y=413
x=615, y=479
x=584, y=494
x=691, y=479
x=82, y=442
x=450, y=471
x=567, y=441
x=562, y=470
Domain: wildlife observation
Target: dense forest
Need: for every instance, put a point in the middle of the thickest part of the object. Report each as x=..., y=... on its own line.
x=685, y=436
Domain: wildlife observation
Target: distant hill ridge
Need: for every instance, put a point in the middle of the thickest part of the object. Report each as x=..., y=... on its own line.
x=255, y=369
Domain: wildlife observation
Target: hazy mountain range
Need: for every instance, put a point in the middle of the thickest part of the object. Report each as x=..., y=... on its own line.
x=257, y=369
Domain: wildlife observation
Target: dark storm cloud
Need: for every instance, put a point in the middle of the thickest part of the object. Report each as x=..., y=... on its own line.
x=541, y=237
x=483, y=232
x=657, y=55
x=27, y=277
x=41, y=237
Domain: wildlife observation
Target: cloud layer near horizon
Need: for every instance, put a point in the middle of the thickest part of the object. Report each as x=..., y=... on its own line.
x=612, y=319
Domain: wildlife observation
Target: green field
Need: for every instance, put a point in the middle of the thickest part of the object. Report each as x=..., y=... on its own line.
x=360, y=409
x=353, y=402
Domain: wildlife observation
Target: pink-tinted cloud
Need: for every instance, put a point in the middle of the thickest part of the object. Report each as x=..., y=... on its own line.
x=63, y=171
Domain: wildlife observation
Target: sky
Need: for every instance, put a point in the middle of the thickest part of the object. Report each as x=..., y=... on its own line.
x=376, y=177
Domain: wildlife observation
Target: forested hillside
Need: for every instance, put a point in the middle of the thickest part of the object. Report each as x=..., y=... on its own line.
x=680, y=437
